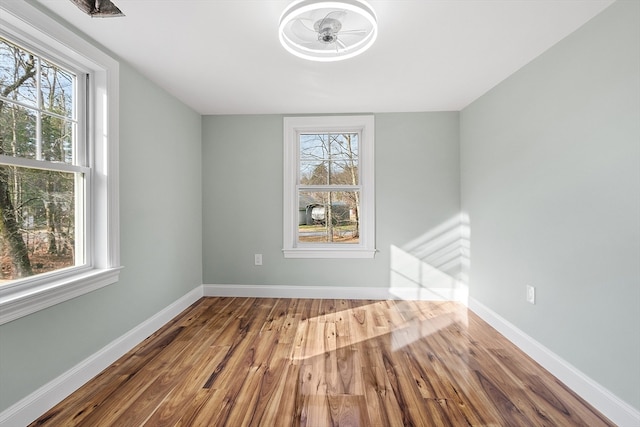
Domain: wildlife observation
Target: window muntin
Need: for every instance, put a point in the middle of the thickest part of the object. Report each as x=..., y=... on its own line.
x=42, y=180
x=329, y=187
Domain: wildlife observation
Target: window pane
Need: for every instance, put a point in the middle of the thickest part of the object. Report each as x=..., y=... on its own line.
x=57, y=139
x=43, y=129
x=329, y=159
x=57, y=89
x=18, y=131
x=38, y=222
x=315, y=207
x=17, y=74
x=314, y=172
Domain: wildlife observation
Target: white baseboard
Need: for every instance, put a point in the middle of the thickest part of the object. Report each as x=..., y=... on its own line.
x=618, y=411
x=37, y=403
x=336, y=292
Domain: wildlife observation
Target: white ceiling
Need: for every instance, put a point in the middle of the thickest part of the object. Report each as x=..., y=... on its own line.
x=224, y=57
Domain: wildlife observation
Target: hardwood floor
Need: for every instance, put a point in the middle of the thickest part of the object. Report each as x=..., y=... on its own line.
x=301, y=362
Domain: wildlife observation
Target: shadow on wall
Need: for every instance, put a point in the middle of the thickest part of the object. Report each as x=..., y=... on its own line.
x=435, y=265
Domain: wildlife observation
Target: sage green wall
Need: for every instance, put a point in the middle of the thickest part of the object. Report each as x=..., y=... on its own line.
x=160, y=215
x=551, y=183
x=417, y=188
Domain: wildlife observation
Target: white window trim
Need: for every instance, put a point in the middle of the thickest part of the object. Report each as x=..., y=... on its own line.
x=27, y=296
x=293, y=126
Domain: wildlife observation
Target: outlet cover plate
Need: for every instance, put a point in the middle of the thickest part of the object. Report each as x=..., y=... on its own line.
x=531, y=294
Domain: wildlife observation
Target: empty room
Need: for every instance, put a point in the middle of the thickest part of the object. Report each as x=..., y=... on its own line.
x=319, y=213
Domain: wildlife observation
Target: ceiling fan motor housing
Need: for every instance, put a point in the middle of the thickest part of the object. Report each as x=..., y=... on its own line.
x=327, y=29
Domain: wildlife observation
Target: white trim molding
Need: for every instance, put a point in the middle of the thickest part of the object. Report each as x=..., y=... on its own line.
x=40, y=401
x=14, y=305
x=599, y=397
x=284, y=291
x=334, y=292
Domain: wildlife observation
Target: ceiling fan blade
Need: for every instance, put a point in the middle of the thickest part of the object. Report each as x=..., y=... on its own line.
x=301, y=30
x=98, y=8
x=319, y=47
x=354, y=32
x=336, y=14
x=301, y=25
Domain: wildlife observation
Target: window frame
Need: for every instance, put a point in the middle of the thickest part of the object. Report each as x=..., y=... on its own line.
x=364, y=125
x=36, y=31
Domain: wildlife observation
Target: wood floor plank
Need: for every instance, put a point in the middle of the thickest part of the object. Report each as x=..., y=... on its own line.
x=290, y=323
x=408, y=398
x=288, y=410
x=300, y=362
x=267, y=395
x=184, y=395
x=265, y=367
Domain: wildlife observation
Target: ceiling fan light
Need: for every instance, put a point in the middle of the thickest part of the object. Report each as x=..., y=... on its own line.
x=325, y=37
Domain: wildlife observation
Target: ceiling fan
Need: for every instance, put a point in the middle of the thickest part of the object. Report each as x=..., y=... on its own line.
x=321, y=30
x=98, y=8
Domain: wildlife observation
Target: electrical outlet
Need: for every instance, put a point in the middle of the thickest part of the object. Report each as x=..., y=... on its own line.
x=531, y=294
x=258, y=259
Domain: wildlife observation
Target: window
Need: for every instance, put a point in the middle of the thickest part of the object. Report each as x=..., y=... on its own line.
x=329, y=187
x=58, y=164
x=43, y=166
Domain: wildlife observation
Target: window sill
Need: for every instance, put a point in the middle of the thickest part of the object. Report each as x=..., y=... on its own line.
x=39, y=296
x=329, y=253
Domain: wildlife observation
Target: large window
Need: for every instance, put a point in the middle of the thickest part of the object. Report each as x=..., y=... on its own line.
x=58, y=164
x=43, y=166
x=329, y=207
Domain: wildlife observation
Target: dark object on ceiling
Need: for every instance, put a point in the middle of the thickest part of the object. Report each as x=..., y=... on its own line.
x=98, y=8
